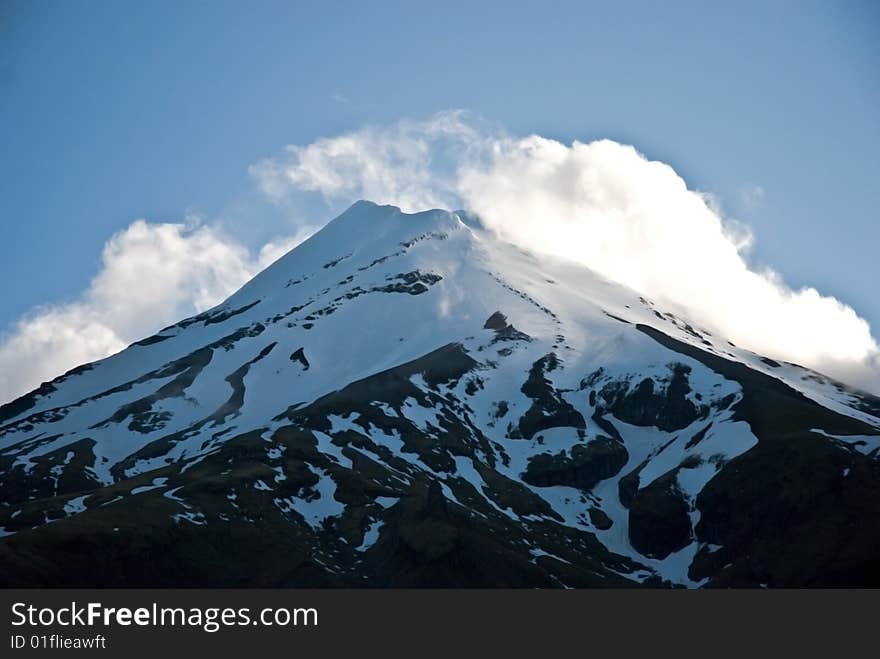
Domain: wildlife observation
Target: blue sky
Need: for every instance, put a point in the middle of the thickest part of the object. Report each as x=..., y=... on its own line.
x=113, y=111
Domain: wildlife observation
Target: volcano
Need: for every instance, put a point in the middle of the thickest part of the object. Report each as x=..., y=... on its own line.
x=406, y=400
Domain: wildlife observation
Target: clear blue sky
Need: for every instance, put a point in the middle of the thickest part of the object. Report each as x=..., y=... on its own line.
x=110, y=111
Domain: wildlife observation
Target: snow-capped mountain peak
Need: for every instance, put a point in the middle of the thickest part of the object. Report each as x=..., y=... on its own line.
x=406, y=399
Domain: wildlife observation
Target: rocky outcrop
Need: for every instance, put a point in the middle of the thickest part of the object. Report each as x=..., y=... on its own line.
x=588, y=464
x=662, y=404
x=549, y=409
x=659, y=523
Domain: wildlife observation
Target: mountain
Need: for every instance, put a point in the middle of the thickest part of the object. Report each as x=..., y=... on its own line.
x=406, y=400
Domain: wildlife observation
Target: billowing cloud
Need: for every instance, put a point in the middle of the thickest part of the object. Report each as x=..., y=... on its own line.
x=152, y=275
x=602, y=204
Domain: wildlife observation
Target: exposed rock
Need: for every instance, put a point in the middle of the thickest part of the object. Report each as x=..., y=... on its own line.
x=549, y=409
x=299, y=355
x=599, y=519
x=659, y=523
x=504, y=331
x=629, y=485
x=587, y=465
x=414, y=283
x=698, y=437
x=664, y=405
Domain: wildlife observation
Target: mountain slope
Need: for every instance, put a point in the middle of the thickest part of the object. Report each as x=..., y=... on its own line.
x=406, y=400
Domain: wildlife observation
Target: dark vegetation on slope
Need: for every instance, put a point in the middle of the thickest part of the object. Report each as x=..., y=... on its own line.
x=797, y=509
x=252, y=538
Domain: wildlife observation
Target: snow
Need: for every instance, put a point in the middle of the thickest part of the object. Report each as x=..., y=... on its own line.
x=863, y=443
x=192, y=517
x=464, y=468
x=725, y=440
x=172, y=494
x=538, y=552
x=643, y=442
x=75, y=506
x=315, y=510
x=370, y=535
x=692, y=480
x=449, y=494
x=157, y=483
x=327, y=447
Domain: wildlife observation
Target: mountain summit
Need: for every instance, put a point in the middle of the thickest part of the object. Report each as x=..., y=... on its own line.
x=406, y=400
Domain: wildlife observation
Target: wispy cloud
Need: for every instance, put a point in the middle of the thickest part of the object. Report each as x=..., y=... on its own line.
x=411, y=164
x=752, y=196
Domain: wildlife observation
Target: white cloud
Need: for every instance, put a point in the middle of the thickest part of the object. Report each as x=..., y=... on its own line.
x=635, y=222
x=752, y=196
x=409, y=164
x=152, y=275
x=602, y=204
